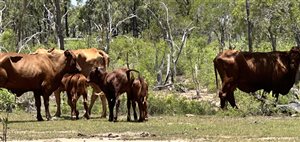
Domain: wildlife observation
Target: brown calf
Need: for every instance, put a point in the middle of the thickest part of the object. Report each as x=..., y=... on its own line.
x=139, y=94
x=75, y=85
x=113, y=84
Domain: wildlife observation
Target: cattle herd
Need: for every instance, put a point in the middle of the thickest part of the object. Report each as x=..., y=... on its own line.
x=52, y=71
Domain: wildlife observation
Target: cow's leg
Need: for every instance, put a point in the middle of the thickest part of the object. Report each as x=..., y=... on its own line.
x=111, y=104
x=145, y=105
x=117, y=103
x=93, y=99
x=58, y=101
x=231, y=100
x=85, y=104
x=104, y=104
x=128, y=108
x=227, y=89
x=73, y=113
x=134, y=110
x=141, y=110
x=222, y=100
x=74, y=102
x=37, y=98
x=46, y=104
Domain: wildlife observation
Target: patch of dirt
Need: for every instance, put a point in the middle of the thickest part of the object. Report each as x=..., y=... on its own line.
x=138, y=136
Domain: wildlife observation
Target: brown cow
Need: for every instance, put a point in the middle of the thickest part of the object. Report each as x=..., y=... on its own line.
x=87, y=59
x=113, y=84
x=249, y=72
x=139, y=94
x=39, y=73
x=75, y=85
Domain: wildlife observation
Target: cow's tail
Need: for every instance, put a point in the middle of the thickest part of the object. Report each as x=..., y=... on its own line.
x=216, y=75
x=106, y=58
x=132, y=79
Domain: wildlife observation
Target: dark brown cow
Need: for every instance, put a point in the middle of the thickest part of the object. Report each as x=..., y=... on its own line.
x=20, y=73
x=76, y=85
x=139, y=94
x=87, y=59
x=113, y=84
x=249, y=72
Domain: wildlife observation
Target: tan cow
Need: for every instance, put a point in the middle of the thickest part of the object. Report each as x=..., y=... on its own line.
x=39, y=73
x=87, y=59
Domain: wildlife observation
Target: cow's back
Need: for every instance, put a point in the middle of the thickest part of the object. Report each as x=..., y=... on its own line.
x=74, y=83
x=89, y=58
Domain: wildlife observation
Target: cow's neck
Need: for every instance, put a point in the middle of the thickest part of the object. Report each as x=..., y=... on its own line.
x=59, y=67
x=102, y=82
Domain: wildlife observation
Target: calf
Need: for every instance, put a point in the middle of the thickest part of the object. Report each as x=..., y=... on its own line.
x=113, y=84
x=139, y=94
x=75, y=85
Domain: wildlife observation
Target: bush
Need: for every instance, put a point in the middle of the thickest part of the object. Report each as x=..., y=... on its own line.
x=8, y=40
x=173, y=104
x=7, y=100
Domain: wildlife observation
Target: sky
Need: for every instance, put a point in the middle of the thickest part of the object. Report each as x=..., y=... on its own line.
x=74, y=2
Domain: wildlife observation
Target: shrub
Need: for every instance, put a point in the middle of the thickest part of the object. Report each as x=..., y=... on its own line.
x=173, y=104
x=7, y=100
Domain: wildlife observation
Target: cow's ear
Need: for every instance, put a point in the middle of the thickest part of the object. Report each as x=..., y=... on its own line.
x=68, y=53
x=15, y=58
x=50, y=50
x=96, y=69
x=81, y=57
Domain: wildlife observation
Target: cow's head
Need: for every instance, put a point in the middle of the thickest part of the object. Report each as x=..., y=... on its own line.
x=72, y=64
x=294, y=55
x=96, y=75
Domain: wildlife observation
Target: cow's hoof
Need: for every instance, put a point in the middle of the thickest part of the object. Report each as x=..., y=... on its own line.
x=110, y=119
x=49, y=118
x=128, y=119
x=103, y=116
x=57, y=115
x=86, y=116
x=73, y=117
x=40, y=119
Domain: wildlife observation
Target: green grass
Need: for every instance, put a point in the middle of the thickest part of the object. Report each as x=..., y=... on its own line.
x=23, y=126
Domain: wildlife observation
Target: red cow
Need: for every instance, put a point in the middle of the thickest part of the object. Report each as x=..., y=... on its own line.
x=39, y=73
x=249, y=72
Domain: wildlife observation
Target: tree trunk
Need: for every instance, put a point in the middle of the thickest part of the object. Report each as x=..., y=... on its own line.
x=272, y=38
x=20, y=26
x=59, y=28
x=297, y=36
x=135, y=32
x=66, y=18
x=249, y=26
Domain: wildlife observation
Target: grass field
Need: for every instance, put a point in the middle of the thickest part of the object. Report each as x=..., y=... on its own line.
x=23, y=126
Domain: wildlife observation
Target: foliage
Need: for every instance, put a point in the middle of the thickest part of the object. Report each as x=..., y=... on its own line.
x=8, y=40
x=175, y=105
x=6, y=99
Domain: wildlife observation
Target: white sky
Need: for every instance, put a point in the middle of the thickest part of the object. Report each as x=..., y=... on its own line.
x=74, y=2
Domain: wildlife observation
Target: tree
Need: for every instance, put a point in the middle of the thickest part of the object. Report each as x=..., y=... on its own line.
x=249, y=26
x=58, y=25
